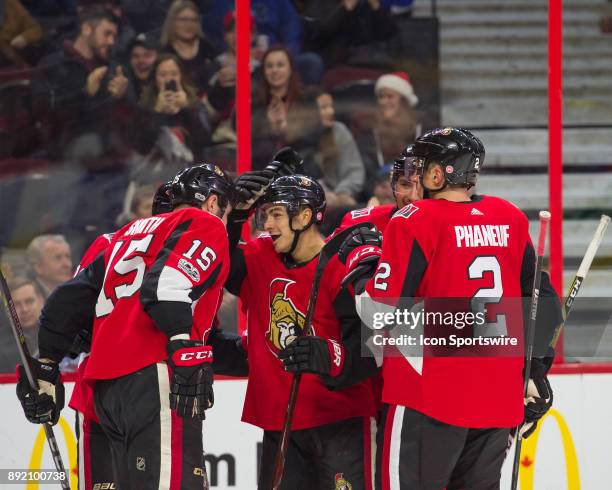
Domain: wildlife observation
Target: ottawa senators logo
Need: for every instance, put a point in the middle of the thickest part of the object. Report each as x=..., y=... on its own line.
x=341, y=483
x=286, y=321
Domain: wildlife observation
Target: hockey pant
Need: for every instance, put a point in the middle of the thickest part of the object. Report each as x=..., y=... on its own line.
x=337, y=455
x=94, y=455
x=151, y=447
x=417, y=452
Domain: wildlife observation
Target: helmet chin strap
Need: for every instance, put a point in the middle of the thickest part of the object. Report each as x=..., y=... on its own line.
x=296, y=236
x=430, y=193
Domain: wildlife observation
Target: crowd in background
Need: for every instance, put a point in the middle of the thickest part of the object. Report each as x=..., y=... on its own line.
x=101, y=101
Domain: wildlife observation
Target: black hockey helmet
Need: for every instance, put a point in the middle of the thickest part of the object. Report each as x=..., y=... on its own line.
x=294, y=192
x=161, y=200
x=458, y=151
x=193, y=185
x=404, y=165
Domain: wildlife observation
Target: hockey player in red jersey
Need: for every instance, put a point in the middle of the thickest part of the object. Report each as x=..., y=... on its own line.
x=406, y=189
x=446, y=418
x=272, y=274
x=93, y=447
x=151, y=373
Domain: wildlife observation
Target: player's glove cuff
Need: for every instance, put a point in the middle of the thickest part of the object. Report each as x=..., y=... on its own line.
x=336, y=355
x=191, y=390
x=313, y=355
x=541, y=365
x=361, y=266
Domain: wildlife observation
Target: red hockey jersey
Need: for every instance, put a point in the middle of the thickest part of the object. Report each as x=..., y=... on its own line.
x=276, y=299
x=379, y=216
x=443, y=249
x=156, y=270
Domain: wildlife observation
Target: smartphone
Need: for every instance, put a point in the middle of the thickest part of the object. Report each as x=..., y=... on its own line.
x=171, y=86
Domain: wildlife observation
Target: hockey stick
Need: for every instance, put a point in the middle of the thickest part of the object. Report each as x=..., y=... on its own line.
x=24, y=354
x=533, y=309
x=327, y=252
x=583, y=270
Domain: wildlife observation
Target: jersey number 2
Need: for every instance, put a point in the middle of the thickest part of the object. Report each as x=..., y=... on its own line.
x=484, y=296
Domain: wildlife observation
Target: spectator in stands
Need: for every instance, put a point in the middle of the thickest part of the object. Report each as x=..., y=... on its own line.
x=74, y=87
x=335, y=162
x=279, y=118
x=142, y=53
x=29, y=301
x=339, y=29
x=18, y=32
x=171, y=101
x=394, y=126
x=182, y=36
x=228, y=57
x=50, y=261
x=278, y=22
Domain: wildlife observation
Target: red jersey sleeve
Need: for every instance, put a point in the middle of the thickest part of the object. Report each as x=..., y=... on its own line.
x=193, y=259
x=98, y=247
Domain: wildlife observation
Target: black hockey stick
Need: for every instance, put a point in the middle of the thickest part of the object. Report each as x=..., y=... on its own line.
x=24, y=354
x=582, y=272
x=533, y=310
x=327, y=252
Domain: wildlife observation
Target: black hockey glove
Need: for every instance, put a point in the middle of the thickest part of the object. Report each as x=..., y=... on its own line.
x=286, y=161
x=191, y=386
x=360, y=252
x=45, y=404
x=249, y=187
x=538, y=402
x=539, y=393
x=313, y=355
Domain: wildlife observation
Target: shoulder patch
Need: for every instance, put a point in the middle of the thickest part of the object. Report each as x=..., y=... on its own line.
x=406, y=211
x=189, y=269
x=360, y=213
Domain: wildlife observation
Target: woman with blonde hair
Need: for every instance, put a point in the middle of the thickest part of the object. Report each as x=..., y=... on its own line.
x=183, y=37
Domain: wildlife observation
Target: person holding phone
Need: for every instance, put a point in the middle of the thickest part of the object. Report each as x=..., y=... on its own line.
x=171, y=101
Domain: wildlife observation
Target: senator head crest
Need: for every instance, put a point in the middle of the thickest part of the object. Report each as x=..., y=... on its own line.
x=286, y=321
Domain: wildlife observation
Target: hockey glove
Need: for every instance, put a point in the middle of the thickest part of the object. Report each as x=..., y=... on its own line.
x=45, y=404
x=249, y=187
x=360, y=252
x=191, y=385
x=539, y=393
x=538, y=402
x=313, y=355
x=286, y=161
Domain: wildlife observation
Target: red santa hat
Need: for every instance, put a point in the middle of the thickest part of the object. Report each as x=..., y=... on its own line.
x=400, y=82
